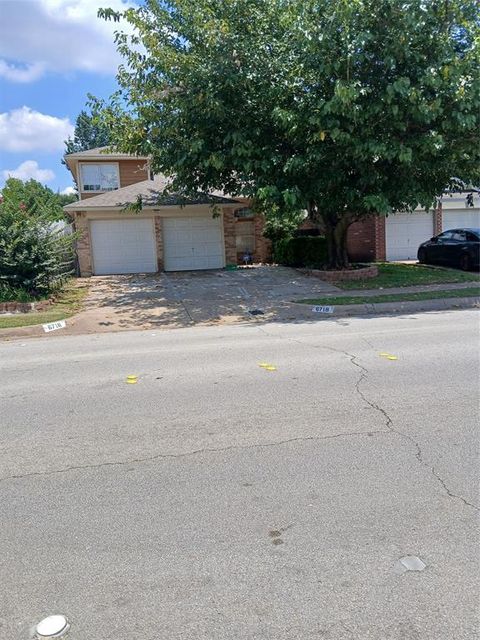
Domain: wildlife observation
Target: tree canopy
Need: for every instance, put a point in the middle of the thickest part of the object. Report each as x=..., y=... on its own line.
x=32, y=199
x=88, y=133
x=346, y=108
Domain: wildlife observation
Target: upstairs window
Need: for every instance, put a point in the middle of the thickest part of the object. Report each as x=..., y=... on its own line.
x=99, y=177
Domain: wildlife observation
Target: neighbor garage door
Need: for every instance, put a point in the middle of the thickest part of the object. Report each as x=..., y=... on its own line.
x=123, y=246
x=454, y=218
x=193, y=243
x=404, y=232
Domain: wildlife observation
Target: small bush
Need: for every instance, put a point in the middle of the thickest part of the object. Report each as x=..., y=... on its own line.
x=34, y=258
x=12, y=294
x=304, y=251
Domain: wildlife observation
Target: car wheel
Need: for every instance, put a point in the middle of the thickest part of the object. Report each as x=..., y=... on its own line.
x=465, y=264
x=422, y=256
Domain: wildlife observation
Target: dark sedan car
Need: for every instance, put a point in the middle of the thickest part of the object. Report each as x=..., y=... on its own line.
x=455, y=247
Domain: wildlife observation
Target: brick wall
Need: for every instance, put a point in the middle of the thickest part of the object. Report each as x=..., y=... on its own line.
x=229, y=235
x=263, y=246
x=437, y=220
x=84, y=251
x=361, y=241
x=159, y=242
x=380, y=238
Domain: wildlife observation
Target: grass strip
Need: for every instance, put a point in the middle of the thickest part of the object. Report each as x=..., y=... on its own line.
x=393, y=297
x=407, y=275
x=68, y=303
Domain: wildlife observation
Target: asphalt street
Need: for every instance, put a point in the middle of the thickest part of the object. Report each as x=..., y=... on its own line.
x=218, y=500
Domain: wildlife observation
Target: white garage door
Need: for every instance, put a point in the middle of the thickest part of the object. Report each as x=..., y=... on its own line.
x=454, y=218
x=193, y=243
x=405, y=232
x=123, y=246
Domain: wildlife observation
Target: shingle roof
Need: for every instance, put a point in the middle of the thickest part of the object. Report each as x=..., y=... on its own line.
x=103, y=152
x=151, y=192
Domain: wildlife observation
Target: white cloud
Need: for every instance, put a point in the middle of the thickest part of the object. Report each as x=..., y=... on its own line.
x=68, y=191
x=27, y=170
x=25, y=129
x=29, y=73
x=58, y=36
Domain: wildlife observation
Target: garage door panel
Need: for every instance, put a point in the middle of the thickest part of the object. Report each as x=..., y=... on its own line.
x=193, y=243
x=405, y=232
x=455, y=218
x=123, y=246
x=181, y=250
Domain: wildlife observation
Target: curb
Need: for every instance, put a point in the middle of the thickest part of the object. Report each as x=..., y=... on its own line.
x=408, y=306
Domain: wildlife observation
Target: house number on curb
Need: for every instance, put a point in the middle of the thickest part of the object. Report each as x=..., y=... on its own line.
x=52, y=326
x=323, y=309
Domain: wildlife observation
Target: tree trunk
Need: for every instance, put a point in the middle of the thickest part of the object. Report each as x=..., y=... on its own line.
x=336, y=235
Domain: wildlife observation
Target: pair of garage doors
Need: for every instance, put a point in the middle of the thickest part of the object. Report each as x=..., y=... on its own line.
x=404, y=232
x=129, y=245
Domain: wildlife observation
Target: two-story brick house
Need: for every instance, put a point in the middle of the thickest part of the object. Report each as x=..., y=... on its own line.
x=167, y=234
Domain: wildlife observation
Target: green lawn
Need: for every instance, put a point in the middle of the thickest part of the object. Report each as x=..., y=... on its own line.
x=406, y=275
x=393, y=297
x=69, y=302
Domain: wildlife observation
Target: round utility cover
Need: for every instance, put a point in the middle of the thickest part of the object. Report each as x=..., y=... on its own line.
x=52, y=627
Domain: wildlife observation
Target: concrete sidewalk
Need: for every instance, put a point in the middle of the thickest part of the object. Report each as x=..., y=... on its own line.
x=392, y=308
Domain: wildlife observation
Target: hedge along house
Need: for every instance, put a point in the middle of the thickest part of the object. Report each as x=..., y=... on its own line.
x=168, y=233
x=398, y=236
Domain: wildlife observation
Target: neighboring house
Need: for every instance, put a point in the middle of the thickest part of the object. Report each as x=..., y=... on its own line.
x=167, y=234
x=398, y=236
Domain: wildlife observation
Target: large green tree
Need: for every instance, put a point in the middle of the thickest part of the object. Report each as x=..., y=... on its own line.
x=346, y=108
x=88, y=133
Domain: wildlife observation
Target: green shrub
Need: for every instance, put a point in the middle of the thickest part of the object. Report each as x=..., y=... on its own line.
x=304, y=251
x=12, y=294
x=34, y=258
x=281, y=224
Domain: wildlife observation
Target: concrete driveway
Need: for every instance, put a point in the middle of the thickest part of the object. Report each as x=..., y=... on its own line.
x=197, y=297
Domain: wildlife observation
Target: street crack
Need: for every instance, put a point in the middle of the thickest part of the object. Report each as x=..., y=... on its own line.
x=390, y=426
x=186, y=454
x=388, y=420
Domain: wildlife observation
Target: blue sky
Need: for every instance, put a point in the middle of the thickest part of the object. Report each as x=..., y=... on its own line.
x=52, y=53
